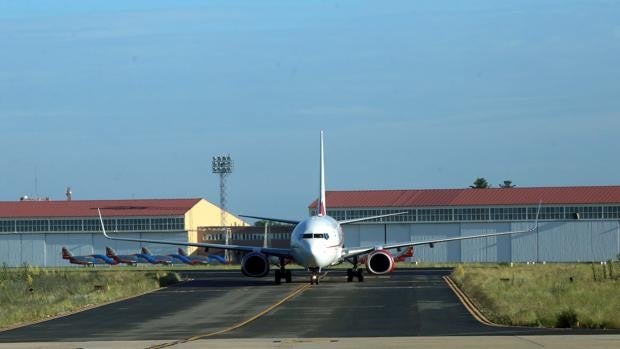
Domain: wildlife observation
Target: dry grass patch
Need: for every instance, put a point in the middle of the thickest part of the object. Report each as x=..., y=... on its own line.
x=551, y=295
x=30, y=293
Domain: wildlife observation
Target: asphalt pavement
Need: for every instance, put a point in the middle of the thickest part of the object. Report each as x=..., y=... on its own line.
x=410, y=302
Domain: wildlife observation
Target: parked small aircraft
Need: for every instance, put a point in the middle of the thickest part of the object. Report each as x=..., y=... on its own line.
x=124, y=258
x=88, y=260
x=193, y=260
x=155, y=259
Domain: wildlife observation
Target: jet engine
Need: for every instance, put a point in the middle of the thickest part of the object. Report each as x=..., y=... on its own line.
x=380, y=262
x=255, y=264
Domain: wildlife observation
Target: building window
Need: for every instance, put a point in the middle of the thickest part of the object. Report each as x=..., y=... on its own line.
x=508, y=213
x=66, y=225
x=95, y=225
x=409, y=216
x=133, y=224
x=7, y=226
x=612, y=212
x=168, y=223
x=471, y=214
x=584, y=212
x=32, y=225
x=546, y=213
x=338, y=215
x=435, y=215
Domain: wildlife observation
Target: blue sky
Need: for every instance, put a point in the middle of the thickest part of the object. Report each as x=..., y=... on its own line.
x=132, y=99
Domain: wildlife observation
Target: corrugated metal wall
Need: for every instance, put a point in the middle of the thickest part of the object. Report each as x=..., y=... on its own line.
x=555, y=241
x=45, y=249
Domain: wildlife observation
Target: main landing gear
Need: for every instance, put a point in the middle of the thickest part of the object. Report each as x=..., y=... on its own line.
x=355, y=272
x=283, y=273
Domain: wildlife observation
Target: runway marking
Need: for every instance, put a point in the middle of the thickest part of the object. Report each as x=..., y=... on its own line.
x=469, y=305
x=292, y=294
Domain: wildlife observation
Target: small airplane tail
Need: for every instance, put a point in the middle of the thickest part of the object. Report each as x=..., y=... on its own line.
x=66, y=254
x=321, y=205
x=146, y=250
x=182, y=252
x=109, y=252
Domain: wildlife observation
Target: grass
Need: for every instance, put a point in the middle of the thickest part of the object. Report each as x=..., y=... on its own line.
x=30, y=294
x=551, y=295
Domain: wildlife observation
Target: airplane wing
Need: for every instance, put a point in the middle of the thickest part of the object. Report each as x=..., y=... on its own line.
x=357, y=251
x=279, y=252
x=354, y=220
x=287, y=221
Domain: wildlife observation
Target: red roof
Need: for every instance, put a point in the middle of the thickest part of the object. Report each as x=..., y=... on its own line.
x=473, y=197
x=88, y=208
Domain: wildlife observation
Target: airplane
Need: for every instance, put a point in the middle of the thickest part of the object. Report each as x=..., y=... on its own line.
x=88, y=261
x=126, y=259
x=317, y=242
x=156, y=259
x=193, y=260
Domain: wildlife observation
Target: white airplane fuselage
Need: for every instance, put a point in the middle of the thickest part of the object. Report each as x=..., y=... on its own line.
x=317, y=242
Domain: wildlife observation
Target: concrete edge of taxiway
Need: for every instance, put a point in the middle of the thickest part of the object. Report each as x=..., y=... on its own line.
x=466, y=342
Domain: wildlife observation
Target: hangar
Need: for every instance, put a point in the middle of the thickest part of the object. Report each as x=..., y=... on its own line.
x=575, y=223
x=34, y=232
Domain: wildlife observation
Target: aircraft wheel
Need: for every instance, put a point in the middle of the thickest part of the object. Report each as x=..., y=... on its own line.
x=349, y=275
x=288, y=276
x=360, y=275
x=278, y=276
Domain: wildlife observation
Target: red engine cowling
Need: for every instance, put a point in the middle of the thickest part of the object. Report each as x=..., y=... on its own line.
x=380, y=262
x=255, y=264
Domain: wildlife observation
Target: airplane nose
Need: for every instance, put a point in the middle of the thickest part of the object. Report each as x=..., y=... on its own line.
x=311, y=253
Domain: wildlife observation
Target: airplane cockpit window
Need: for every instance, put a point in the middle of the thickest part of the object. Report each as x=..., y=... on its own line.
x=315, y=236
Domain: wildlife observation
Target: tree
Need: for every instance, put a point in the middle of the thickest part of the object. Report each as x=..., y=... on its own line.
x=480, y=183
x=507, y=184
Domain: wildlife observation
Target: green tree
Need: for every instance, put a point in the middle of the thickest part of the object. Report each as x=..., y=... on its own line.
x=507, y=184
x=480, y=183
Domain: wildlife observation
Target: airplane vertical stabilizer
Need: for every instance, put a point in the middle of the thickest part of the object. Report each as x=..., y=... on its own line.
x=322, y=208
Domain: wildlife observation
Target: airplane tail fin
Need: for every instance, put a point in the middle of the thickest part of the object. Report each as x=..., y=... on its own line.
x=182, y=252
x=321, y=206
x=146, y=250
x=66, y=254
x=109, y=252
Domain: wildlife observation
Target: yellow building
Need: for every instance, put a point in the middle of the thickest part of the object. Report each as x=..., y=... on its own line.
x=204, y=214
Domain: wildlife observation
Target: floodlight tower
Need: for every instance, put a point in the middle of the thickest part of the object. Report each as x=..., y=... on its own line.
x=223, y=165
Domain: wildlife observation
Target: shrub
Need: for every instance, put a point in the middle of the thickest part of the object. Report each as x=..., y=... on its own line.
x=567, y=318
x=167, y=279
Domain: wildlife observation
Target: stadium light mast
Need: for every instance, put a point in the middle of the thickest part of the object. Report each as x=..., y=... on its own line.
x=223, y=165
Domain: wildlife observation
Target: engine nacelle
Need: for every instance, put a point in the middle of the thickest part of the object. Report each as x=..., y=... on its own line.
x=380, y=262
x=255, y=264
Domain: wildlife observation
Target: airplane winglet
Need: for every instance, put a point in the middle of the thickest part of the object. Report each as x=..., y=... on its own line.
x=537, y=214
x=102, y=225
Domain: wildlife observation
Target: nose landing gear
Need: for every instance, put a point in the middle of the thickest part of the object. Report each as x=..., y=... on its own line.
x=314, y=277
